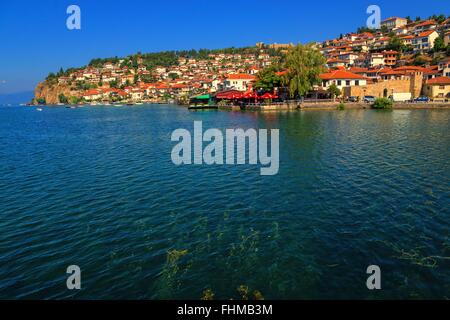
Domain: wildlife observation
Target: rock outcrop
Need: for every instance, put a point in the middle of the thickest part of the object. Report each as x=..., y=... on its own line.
x=51, y=92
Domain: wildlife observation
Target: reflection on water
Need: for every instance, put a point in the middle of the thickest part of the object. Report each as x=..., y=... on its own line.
x=96, y=187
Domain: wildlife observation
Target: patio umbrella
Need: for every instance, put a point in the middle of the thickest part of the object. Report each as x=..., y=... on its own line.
x=267, y=95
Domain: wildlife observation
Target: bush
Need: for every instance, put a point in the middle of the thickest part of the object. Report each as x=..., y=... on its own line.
x=41, y=101
x=62, y=98
x=382, y=103
x=341, y=106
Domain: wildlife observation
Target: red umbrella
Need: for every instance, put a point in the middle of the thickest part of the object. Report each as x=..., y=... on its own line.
x=268, y=95
x=250, y=95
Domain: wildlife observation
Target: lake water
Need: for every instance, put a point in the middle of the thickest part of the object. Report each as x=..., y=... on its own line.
x=95, y=187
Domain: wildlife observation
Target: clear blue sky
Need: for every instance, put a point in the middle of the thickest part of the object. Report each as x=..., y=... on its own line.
x=35, y=40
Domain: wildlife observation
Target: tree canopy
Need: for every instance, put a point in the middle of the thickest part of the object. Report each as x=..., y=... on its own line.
x=304, y=63
x=267, y=79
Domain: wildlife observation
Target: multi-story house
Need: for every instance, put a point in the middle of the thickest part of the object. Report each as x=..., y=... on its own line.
x=350, y=57
x=437, y=88
x=394, y=22
x=380, y=43
x=424, y=41
x=335, y=63
x=447, y=38
x=390, y=58
x=425, y=26
x=241, y=82
x=375, y=60
x=444, y=67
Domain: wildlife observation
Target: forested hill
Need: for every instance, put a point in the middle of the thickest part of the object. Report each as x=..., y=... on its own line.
x=170, y=58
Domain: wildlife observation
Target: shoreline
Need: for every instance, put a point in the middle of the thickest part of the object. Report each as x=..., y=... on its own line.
x=277, y=107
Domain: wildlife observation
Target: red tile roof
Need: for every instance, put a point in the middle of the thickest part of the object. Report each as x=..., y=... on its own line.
x=425, y=33
x=240, y=76
x=392, y=18
x=340, y=74
x=439, y=81
x=426, y=23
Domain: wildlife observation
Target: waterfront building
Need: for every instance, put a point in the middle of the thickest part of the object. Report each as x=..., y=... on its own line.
x=438, y=88
x=342, y=78
x=241, y=82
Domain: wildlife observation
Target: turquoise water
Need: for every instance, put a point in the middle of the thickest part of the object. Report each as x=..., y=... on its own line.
x=96, y=187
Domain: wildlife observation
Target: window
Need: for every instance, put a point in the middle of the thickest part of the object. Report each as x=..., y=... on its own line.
x=441, y=87
x=357, y=83
x=339, y=83
x=347, y=83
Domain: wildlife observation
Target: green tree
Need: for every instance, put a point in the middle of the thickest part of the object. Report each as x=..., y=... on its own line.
x=304, y=63
x=439, y=44
x=74, y=100
x=365, y=29
x=62, y=98
x=267, y=79
x=382, y=103
x=40, y=100
x=113, y=84
x=396, y=43
x=334, y=91
x=173, y=75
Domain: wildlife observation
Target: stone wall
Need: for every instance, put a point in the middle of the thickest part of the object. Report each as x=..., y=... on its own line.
x=386, y=88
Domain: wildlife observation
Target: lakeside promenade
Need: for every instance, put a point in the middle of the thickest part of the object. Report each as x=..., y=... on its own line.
x=310, y=105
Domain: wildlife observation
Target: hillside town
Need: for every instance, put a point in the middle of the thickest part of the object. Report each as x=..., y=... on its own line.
x=403, y=59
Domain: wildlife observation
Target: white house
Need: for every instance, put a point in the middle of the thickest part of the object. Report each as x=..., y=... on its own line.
x=424, y=42
x=240, y=81
x=342, y=78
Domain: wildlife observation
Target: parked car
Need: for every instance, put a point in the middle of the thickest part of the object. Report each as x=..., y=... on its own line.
x=422, y=99
x=369, y=99
x=353, y=99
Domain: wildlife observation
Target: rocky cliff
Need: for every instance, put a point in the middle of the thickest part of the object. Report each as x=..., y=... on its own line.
x=51, y=92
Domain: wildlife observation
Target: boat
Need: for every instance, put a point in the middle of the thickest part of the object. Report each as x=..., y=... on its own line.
x=39, y=109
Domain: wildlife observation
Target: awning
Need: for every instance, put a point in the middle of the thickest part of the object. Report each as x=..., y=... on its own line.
x=202, y=97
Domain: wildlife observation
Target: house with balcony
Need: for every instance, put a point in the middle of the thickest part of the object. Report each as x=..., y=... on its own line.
x=390, y=58
x=424, y=41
